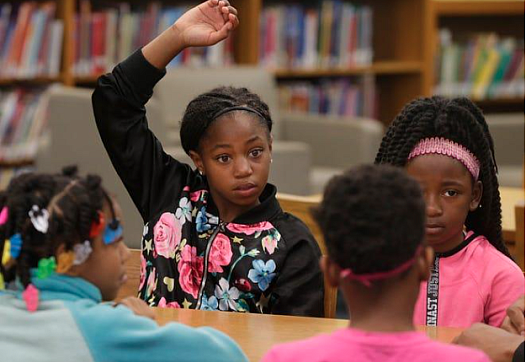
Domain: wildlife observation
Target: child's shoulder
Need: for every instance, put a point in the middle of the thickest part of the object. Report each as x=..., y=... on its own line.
x=438, y=351
x=484, y=252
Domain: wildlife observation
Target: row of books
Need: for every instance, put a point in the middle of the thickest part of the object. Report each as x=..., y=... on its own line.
x=330, y=97
x=104, y=37
x=335, y=34
x=481, y=66
x=30, y=40
x=22, y=123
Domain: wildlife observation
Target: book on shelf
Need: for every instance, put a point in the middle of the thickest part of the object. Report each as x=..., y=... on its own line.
x=334, y=34
x=30, y=40
x=23, y=121
x=106, y=36
x=342, y=97
x=482, y=66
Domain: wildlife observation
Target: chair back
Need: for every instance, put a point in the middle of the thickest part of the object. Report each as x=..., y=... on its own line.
x=301, y=206
x=519, y=234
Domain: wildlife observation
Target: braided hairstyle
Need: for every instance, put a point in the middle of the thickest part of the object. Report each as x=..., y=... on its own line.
x=73, y=204
x=372, y=218
x=460, y=121
x=202, y=111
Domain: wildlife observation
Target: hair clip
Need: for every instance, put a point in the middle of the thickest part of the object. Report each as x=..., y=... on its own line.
x=97, y=226
x=65, y=261
x=112, y=232
x=30, y=296
x=46, y=267
x=3, y=215
x=82, y=252
x=39, y=218
x=16, y=245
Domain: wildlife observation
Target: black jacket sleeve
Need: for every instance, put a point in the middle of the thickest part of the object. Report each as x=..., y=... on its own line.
x=299, y=288
x=152, y=177
x=518, y=356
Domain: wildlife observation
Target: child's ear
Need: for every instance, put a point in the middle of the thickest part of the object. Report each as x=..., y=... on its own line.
x=271, y=139
x=424, y=262
x=330, y=270
x=198, y=162
x=476, y=195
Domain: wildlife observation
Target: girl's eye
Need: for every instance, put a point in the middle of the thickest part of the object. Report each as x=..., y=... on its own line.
x=451, y=193
x=256, y=153
x=223, y=158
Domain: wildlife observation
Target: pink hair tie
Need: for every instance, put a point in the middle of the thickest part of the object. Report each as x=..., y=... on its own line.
x=3, y=215
x=449, y=148
x=366, y=279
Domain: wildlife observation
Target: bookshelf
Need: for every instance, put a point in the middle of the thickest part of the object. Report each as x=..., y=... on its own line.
x=404, y=43
x=505, y=18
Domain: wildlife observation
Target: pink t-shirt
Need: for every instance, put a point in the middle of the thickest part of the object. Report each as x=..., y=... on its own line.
x=475, y=284
x=355, y=345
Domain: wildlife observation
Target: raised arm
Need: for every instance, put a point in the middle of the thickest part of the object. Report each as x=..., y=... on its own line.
x=153, y=178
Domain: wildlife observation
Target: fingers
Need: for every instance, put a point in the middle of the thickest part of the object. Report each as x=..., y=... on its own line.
x=516, y=317
x=212, y=3
x=234, y=20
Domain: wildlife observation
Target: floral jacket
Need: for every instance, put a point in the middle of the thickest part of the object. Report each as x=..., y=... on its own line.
x=265, y=261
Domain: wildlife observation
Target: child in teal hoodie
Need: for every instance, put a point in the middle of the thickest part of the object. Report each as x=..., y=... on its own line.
x=63, y=254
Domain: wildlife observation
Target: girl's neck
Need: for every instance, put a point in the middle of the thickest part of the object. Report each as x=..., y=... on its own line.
x=389, y=310
x=228, y=212
x=449, y=244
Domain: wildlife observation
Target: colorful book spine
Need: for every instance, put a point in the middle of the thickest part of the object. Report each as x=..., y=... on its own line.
x=483, y=66
x=334, y=34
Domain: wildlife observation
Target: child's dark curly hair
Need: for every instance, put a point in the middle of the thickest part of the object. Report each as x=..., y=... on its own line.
x=73, y=204
x=372, y=218
x=461, y=121
x=209, y=106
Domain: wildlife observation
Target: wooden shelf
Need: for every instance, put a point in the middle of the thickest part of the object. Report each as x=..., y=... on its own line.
x=478, y=7
x=501, y=105
x=88, y=79
x=380, y=68
x=38, y=80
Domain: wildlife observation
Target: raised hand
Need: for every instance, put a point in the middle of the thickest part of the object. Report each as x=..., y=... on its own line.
x=203, y=25
x=207, y=23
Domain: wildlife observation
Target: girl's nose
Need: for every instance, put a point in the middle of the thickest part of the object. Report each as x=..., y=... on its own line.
x=433, y=207
x=242, y=168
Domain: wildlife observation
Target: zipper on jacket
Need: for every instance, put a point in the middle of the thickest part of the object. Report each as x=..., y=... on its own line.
x=220, y=227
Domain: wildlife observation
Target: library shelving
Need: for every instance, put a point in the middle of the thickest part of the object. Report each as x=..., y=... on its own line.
x=404, y=42
x=465, y=21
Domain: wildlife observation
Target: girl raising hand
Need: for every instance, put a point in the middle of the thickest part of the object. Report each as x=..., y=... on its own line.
x=215, y=237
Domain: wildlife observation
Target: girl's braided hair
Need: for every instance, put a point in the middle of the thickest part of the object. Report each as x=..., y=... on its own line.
x=461, y=121
x=73, y=204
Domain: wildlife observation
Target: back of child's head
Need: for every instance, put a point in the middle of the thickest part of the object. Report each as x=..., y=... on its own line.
x=462, y=122
x=209, y=106
x=42, y=212
x=372, y=219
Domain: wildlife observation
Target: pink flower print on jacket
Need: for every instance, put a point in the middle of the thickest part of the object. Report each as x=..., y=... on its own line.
x=220, y=253
x=190, y=270
x=194, y=196
x=250, y=229
x=167, y=235
x=162, y=304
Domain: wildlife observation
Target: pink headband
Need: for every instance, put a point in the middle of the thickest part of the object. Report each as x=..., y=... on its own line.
x=366, y=279
x=449, y=148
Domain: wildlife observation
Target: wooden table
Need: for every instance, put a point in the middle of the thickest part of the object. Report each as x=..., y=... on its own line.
x=257, y=333
x=509, y=197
